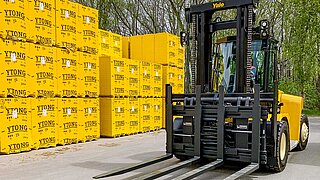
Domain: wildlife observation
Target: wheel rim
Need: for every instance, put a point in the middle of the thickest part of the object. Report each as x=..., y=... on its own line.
x=304, y=132
x=283, y=146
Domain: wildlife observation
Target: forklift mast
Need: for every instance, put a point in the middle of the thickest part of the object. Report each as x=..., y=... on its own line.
x=203, y=27
x=200, y=43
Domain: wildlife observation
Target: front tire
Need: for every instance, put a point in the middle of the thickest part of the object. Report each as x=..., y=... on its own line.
x=304, y=134
x=279, y=162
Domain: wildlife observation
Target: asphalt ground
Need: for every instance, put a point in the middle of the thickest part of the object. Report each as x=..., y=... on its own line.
x=85, y=160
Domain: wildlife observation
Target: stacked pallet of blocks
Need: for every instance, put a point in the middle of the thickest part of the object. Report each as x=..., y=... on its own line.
x=15, y=124
x=131, y=85
x=49, y=78
x=150, y=92
x=113, y=85
x=77, y=73
x=164, y=49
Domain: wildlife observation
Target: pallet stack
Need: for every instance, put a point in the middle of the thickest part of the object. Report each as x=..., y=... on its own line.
x=151, y=61
x=145, y=96
x=49, y=73
x=113, y=96
x=164, y=49
x=133, y=102
x=113, y=85
x=141, y=83
x=15, y=125
x=157, y=104
x=129, y=83
x=141, y=48
x=77, y=88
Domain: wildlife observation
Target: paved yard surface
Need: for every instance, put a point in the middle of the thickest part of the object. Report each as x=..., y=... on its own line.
x=83, y=161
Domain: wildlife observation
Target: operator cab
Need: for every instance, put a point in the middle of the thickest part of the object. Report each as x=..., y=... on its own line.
x=224, y=64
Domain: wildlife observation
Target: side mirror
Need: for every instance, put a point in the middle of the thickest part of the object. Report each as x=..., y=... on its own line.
x=183, y=38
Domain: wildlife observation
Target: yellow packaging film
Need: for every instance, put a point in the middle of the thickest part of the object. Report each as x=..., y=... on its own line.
x=179, y=81
x=145, y=114
x=88, y=75
x=67, y=66
x=133, y=107
x=66, y=24
x=136, y=51
x=145, y=79
x=89, y=119
x=163, y=112
x=43, y=114
x=142, y=47
x=165, y=49
x=148, y=48
x=104, y=43
x=15, y=125
x=157, y=108
x=126, y=47
x=133, y=75
x=13, y=69
x=13, y=20
x=180, y=56
x=116, y=45
x=41, y=70
x=41, y=21
x=87, y=29
x=113, y=77
x=113, y=117
x=67, y=121
x=156, y=80
x=169, y=77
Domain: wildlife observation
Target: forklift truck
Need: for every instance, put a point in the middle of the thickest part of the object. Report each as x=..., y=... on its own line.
x=235, y=112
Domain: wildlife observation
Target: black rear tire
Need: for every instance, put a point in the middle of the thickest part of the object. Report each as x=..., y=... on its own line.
x=303, y=141
x=278, y=163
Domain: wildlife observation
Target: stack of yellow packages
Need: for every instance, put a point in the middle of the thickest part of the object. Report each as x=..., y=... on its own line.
x=15, y=125
x=49, y=74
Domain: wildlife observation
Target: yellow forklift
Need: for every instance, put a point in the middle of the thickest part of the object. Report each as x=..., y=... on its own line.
x=235, y=112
